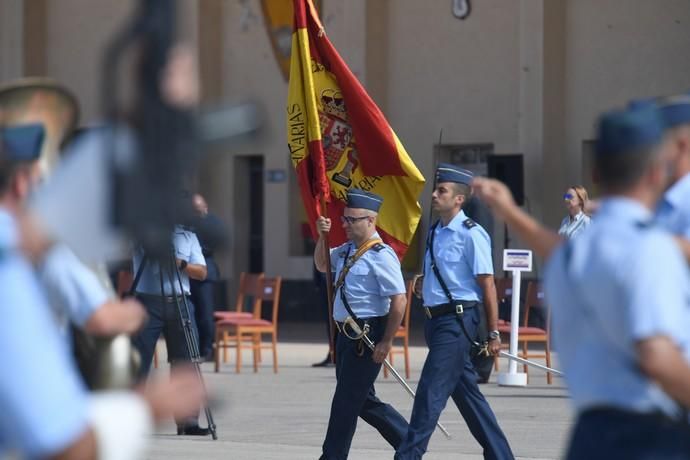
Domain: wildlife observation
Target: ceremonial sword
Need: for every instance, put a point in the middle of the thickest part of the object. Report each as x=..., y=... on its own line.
x=530, y=363
x=362, y=335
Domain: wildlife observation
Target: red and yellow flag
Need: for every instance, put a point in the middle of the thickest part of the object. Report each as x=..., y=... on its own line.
x=339, y=139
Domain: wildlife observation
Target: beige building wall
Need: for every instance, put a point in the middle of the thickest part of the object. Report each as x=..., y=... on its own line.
x=617, y=50
x=529, y=76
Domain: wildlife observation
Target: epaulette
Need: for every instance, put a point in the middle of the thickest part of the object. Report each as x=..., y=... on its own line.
x=645, y=224
x=377, y=247
x=469, y=223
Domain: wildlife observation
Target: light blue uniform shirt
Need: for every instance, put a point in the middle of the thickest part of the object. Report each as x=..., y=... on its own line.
x=571, y=228
x=461, y=255
x=370, y=283
x=186, y=248
x=620, y=282
x=73, y=289
x=42, y=400
x=673, y=211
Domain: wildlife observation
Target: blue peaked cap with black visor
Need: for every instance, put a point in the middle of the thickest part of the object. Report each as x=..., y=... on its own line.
x=446, y=172
x=361, y=199
x=21, y=142
x=674, y=110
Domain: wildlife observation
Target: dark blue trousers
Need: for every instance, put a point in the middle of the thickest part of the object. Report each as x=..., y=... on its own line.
x=163, y=317
x=355, y=397
x=204, y=301
x=448, y=372
x=611, y=433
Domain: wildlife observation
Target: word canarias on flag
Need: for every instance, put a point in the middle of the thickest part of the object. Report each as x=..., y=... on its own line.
x=339, y=139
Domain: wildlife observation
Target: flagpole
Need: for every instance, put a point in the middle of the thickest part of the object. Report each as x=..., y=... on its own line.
x=329, y=285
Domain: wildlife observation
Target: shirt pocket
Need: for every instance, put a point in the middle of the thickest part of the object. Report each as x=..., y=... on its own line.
x=360, y=270
x=451, y=255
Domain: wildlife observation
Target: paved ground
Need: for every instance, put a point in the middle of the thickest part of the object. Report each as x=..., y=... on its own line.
x=284, y=416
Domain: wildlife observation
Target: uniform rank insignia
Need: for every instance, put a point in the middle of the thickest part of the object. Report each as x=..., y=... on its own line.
x=469, y=223
x=377, y=247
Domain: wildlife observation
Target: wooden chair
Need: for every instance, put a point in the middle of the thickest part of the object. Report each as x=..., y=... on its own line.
x=247, y=329
x=528, y=334
x=248, y=287
x=247, y=292
x=403, y=333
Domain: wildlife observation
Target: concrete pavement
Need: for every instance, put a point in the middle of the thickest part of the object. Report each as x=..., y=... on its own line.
x=284, y=416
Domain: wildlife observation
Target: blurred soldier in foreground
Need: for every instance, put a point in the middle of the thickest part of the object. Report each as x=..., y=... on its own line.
x=619, y=293
x=46, y=412
x=75, y=293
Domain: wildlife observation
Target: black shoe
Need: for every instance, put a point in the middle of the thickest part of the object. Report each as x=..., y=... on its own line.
x=325, y=363
x=193, y=430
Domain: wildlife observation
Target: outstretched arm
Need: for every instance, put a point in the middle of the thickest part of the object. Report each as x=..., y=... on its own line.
x=497, y=195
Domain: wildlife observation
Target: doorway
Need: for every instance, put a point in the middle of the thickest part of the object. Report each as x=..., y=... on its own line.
x=249, y=213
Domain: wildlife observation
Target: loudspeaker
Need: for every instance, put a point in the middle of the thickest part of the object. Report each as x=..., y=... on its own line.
x=508, y=169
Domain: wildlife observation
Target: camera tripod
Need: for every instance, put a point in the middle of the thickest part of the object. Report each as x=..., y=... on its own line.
x=180, y=301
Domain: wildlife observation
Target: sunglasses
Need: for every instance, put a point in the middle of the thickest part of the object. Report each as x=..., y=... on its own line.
x=568, y=196
x=351, y=220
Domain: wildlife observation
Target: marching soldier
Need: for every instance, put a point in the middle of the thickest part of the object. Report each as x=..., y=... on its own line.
x=370, y=290
x=611, y=300
x=458, y=281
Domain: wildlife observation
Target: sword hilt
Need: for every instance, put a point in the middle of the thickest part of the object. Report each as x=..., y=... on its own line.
x=352, y=324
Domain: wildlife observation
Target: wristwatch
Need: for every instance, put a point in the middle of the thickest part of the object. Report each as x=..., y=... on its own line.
x=183, y=264
x=493, y=335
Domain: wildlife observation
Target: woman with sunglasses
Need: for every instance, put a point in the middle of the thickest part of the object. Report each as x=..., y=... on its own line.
x=575, y=199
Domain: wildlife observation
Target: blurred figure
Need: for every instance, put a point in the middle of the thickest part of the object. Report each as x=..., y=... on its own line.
x=673, y=212
x=75, y=293
x=611, y=300
x=78, y=297
x=212, y=234
x=46, y=412
x=575, y=199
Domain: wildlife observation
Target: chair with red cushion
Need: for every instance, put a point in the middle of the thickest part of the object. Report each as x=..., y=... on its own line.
x=248, y=332
x=247, y=291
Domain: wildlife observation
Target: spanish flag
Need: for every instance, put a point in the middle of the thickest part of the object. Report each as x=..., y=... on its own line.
x=339, y=139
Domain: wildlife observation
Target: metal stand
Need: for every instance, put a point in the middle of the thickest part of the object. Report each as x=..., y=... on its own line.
x=513, y=377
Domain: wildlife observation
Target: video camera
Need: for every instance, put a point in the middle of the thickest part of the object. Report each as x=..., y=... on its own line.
x=132, y=176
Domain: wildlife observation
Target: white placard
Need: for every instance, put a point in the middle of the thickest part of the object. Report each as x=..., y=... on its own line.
x=517, y=260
